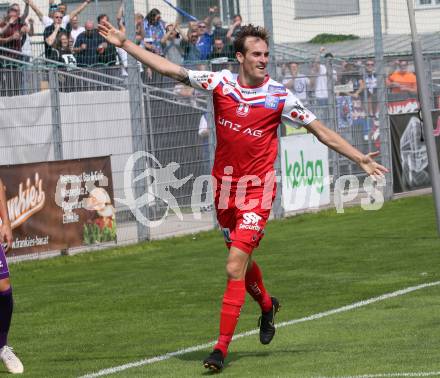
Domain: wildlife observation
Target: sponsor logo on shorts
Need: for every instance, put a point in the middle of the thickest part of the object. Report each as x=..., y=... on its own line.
x=250, y=222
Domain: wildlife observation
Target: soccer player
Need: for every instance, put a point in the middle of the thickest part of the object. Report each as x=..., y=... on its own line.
x=248, y=110
x=10, y=360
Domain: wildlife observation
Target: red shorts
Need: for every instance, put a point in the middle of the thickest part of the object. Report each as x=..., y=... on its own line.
x=243, y=221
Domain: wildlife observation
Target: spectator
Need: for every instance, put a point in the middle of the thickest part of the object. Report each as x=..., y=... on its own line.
x=352, y=106
x=48, y=21
x=16, y=7
x=154, y=29
x=351, y=78
x=206, y=36
x=86, y=46
x=191, y=53
x=120, y=21
x=234, y=29
x=139, y=25
x=220, y=50
x=28, y=32
x=123, y=63
x=11, y=31
x=296, y=82
x=62, y=7
x=219, y=32
x=51, y=34
x=319, y=83
x=371, y=85
x=91, y=49
x=139, y=40
x=204, y=41
x=402, y=81
x=192, y=27
x=76, y=29
x=171, y=44
x=12, y=35
x=106, y=51
x=319, y=79
x=62, y=51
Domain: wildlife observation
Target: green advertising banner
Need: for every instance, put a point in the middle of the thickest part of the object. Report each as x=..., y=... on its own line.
x=305, y=172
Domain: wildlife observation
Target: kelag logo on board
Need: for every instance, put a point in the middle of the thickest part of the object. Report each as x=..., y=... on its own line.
x=302, y=172
x=304, y=166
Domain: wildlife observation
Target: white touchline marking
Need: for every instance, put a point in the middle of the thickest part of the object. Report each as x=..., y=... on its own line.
x=167, y=356
x=390, y=375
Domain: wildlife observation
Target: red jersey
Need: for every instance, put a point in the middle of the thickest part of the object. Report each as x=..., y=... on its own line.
x=246, y=121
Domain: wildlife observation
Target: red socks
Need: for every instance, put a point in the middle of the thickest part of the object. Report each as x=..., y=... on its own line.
x=233, y=300
x=255, y=287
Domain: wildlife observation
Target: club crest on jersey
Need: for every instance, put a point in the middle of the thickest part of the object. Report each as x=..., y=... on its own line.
x=271, y=102
x=243, y=109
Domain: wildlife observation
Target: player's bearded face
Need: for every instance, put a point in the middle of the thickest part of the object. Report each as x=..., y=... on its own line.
x=255, y=59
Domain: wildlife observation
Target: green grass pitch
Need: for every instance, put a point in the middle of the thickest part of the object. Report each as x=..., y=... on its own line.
x=80, y=314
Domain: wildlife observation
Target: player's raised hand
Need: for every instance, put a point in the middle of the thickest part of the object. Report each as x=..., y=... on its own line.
x=111, y=34
x=369, y=165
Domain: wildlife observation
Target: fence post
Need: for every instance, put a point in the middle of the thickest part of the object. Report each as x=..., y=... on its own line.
x=137, y=118
x=268, y=24
x=212, y=142
x=57, y=135
x=333, y=119
x=428, y=65
x=422, y=90
x=385, y=139
x=277, y=208
x=149, y=146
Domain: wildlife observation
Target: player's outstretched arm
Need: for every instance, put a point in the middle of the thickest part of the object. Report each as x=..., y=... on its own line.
x=339, y=144
x=154, y=61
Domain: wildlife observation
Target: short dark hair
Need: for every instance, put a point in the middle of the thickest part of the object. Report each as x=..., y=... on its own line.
x=152, y=15
x=249, y=31
x=101, y=16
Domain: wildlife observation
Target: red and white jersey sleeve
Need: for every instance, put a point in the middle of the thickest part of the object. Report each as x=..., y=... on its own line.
x=204, y=80
x=295, y=113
